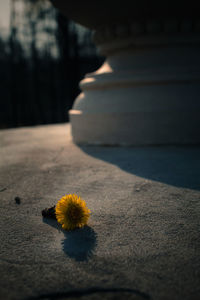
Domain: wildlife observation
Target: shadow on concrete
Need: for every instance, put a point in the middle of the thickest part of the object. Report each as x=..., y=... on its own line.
x=78, y=244
x=174, y=165
x=96, y=293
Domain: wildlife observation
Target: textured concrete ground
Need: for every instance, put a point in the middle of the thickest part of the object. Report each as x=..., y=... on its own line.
x=142, y=240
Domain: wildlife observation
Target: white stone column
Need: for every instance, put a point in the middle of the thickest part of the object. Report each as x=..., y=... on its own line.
x=148, y=90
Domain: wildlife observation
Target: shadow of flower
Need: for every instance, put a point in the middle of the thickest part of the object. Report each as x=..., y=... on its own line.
x=78, y=244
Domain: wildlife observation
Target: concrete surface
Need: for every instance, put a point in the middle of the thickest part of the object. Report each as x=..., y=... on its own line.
x=142, y=240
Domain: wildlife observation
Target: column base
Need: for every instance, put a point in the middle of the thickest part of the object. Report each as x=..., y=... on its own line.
x=136, y=129
x=145, y=96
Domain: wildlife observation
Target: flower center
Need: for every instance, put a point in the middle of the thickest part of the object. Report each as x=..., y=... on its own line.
x=74, y=213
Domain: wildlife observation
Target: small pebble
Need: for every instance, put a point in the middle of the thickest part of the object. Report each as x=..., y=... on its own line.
x=17, y=200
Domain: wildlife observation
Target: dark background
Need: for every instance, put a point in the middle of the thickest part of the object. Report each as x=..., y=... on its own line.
x=42, y=60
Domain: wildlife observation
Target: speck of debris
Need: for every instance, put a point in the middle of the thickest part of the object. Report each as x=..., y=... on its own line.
x=49, y=213
x=17, y=200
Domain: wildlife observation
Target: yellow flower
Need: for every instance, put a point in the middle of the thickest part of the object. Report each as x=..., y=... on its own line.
x=72, y=212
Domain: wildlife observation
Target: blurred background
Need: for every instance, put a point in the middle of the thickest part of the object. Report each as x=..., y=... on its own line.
x=43, y=57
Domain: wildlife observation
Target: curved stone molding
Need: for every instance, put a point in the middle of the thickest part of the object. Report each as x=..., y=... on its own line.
x=150, y=40
x=143, y=78
x=109, y=33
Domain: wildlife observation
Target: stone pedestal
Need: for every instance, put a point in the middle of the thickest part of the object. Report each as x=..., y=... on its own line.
x=148, y=90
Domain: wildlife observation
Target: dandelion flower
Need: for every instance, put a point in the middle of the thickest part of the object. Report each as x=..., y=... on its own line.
x=72, y=212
